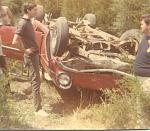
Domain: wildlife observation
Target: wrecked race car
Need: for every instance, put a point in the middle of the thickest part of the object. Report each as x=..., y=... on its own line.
x=77, y=57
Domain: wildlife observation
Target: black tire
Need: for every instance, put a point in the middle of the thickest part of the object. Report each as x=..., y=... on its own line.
x=135, y=34
x=59, y=37
x=91, y=18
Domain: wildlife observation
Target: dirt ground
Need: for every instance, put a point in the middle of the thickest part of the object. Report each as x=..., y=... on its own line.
x=61, y=116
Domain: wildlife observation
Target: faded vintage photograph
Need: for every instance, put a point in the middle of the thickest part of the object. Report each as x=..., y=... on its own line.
x=74, y=64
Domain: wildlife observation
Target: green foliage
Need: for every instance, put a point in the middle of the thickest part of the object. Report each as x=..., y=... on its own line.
x=124, y=108
x=52, y=6
x=73, y=9
x=101, y=8
x=128, y=14
x=4, y=110
x=113, y=16
x=121, y=110
x=15, y=6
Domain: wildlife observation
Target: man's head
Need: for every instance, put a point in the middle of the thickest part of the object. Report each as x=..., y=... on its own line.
x=30, y=9
x=145, y=23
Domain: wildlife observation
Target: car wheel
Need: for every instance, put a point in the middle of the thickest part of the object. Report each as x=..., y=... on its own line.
x=91, y=18
x=132, y=34
x=59, y=37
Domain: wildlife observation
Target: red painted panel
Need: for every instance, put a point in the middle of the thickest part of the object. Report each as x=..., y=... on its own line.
x=7, y=34
x=18, y=55
x=95, y=80
x=85, y=80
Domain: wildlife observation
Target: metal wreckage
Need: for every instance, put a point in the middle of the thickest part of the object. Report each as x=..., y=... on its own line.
x=78, y=55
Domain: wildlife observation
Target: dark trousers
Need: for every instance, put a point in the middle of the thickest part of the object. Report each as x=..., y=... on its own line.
x=35, y=81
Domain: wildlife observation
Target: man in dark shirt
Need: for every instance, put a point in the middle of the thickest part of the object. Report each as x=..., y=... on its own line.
x=142, y=61
x=25, y=34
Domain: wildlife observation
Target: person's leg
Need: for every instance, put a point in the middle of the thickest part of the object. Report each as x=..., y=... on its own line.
x=35, y=81
x=27, y=63
x=7, y=80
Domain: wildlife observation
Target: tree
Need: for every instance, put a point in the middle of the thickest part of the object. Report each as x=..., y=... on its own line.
x=101, y=8
x=128, y=14
x=113, y=16
x=15, y=6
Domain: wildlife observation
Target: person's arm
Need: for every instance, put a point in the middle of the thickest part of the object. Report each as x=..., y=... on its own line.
x=38, y=25
x=16, y=39
x=41, y=27
x=17, y=42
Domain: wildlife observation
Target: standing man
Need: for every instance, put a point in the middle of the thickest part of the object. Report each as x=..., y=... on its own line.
x=142, y=61
x=25, y=34
x=6, y=17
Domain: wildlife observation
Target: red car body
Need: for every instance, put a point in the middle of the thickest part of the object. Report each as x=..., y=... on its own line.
x=94, y=79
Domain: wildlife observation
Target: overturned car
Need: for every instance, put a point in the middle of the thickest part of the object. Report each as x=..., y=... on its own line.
x=78, y=56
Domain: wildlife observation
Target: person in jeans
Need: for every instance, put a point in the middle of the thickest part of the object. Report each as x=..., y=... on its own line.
x=37, y=26
x=25, y=34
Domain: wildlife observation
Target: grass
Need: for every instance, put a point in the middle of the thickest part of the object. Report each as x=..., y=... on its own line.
x=4, y=108
x=126, y=107
x=117, y=111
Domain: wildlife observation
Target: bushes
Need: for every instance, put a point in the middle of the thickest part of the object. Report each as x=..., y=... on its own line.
x=7, y=114
x=128, y=14
x=113, y=16
x=125, y=108
x=121, y=111
x=15, y=6
x=4, y=108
